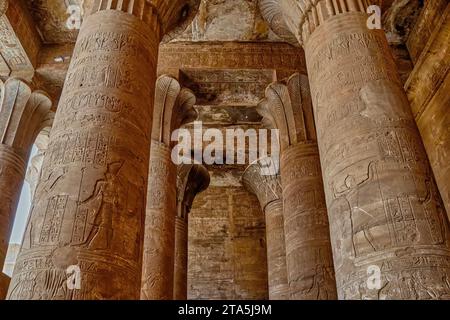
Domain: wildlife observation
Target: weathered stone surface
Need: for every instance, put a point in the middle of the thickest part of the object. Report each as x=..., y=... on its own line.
x=159, y=241
x=173, y=107
x=23, y=114
x=89, y=207
x=424, y=27
x=35, y=167
x=268, y=190
x=19, y=42
x=310, y=272
x=4, y=284
x=383, y=204
x=191, y=180
x=227, y=251
x=231, y=20
x=428, y=92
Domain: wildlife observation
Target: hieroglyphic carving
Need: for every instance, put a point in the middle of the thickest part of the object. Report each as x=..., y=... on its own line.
x=35, y=167
x=158, y=259
x=266, y=187
x=252, y=55
x=269, y=192
x=12, y=50
x=173, y=108
x=310, y=271
x=89, y=205
x=191, y=180
x=23, y=113
x=383, y=204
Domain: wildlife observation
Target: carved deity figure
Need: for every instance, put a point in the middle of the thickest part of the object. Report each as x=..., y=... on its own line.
x=104, y=205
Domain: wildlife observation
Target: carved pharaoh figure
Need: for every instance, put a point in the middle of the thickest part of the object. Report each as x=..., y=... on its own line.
x=104, y=119
x=381, y=196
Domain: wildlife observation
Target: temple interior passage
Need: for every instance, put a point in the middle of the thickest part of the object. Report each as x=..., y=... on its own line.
x=226, y=150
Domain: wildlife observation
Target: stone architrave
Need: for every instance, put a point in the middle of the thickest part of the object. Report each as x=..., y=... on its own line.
x=23, y=114
x=268, y=190
x=310, y=271
x=386, y=216
x=173, y=108
x=191, y=180
x=87, y=218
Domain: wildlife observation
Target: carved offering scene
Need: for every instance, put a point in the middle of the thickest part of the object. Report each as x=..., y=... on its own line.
x=225, y=150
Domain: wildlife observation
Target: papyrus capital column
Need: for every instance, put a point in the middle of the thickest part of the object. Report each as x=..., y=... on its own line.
x=191, y=180
x=268, y=190
x=23, y=113
x=173, y=108
x=89, y=206
x=310, y=269
x=384, y=208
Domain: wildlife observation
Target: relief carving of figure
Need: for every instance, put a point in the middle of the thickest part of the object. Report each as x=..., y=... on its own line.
x=106, y=202
x=364, y=220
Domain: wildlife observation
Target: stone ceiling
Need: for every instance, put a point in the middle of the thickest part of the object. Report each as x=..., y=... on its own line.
x=217, y=20
x=51, y=17
x=228, y=20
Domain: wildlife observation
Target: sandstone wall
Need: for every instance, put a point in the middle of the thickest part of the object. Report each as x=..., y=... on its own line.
x=227, y=246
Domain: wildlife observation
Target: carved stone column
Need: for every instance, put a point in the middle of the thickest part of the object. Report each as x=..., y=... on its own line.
x=23, y=113
x=310, y=270
x=191, y=180
x=89, y=207
x=268, y=190
x=173, y=107
x=384, y=208
x=34, y=171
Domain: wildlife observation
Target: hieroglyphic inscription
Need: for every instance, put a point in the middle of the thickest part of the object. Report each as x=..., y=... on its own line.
x=381, y=197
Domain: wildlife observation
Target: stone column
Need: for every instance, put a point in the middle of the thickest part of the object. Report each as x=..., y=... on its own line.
x=88, y=211
x=384, y=209
x=309, y=258
x=23, y=113
x=173, y=107
x=34, y=170
x=428, y=90
x=191, y=180
x=268, y=190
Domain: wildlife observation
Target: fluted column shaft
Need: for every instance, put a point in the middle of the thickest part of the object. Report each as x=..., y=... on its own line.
x=12, y=174
x=89, y=206
x=159, y=242
x=384, y=208
x=308, y=248
x=276, y=251
x=181, y=259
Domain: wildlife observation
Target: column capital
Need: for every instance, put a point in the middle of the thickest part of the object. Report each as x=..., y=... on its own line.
x=267, y=188
x=191, y=180
x=162, y=16
x=303, y=16
x=24, y=112
x=273, y=15
x=174, y=106
x=287, y=106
